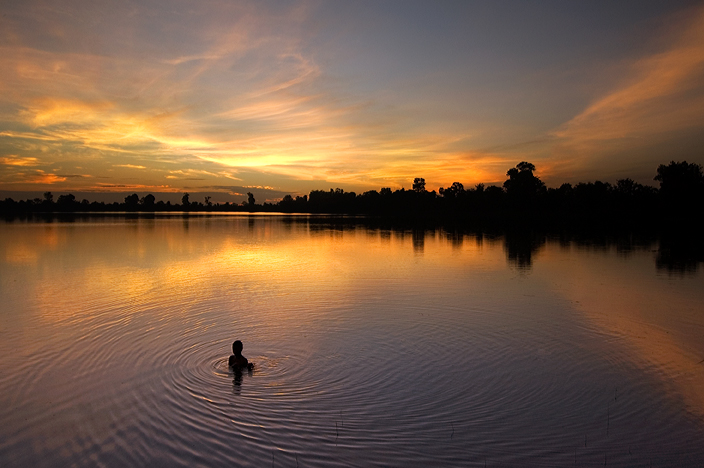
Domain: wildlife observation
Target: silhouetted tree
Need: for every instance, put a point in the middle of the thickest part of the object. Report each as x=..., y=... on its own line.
x=66, y=200
x=333, y=201
x=627, y=187
x=522, y=183
x=680, y=181
x=148, y=201
x=185, y=199
x=454, y=191
x=250, y=199
x=207, y=201
x=132, y=200
x=419, y=184
x=48, y=197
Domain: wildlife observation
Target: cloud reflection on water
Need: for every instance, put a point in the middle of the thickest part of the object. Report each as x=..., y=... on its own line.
x=654, y=320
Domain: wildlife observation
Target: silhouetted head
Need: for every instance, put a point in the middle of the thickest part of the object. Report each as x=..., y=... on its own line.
x=237, y=347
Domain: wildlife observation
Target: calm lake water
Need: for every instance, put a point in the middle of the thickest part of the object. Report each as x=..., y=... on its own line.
x=373, y=347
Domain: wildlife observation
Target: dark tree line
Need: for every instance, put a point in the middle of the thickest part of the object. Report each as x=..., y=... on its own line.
x=132, y=203
x=522, y=198
x=525, y=198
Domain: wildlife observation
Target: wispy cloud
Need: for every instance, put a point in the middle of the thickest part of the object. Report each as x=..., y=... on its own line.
x=130, y=166
x=199, y=174
x=246, y=95
x=245, y=91
x=14, y=160
x=661, y=94
x=136, y=187
x=39, y=177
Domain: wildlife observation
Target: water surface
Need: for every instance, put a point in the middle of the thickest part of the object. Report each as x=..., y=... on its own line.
x=373, y=347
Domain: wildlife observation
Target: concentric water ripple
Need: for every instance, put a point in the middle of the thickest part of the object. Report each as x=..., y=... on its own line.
x=120, y=359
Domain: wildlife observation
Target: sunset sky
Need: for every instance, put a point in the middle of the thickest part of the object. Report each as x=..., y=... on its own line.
x=291, y=96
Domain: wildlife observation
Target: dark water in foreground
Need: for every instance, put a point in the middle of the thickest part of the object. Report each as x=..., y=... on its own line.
x=372, y=348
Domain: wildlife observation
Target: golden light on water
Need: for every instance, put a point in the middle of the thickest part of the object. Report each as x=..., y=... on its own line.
x=193, y=260
x=136, y=311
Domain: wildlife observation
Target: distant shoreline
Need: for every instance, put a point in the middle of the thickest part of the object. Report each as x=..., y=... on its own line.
x=523, y=200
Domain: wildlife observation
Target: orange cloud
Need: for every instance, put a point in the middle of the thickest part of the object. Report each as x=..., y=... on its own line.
x=660, y=96
x=14, y=160
x=52, y=111
x=275, y=121
x=104, y=187
x=41, y=177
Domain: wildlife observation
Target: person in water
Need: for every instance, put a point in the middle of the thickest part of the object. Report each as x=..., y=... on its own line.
x=237, y=361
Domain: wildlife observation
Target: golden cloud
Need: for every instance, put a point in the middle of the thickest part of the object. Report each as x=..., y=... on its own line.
x=14, y=160
x=51, y=111
x=41, y=177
